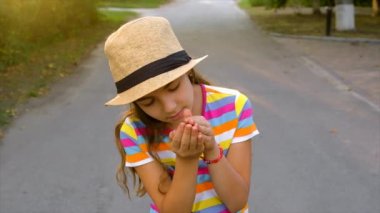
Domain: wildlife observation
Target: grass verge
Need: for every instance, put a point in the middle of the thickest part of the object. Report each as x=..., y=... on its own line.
x=297, y=22
x=49, y=62
x=132, y=4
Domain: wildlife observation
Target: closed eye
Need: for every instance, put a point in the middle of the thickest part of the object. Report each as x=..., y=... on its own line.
x=174, y=86
x=146, y=102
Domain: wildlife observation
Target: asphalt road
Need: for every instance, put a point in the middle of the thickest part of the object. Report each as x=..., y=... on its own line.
x=318, y=151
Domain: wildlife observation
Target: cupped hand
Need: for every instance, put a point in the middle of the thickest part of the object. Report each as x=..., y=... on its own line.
x=187, y=141
x=205, y=128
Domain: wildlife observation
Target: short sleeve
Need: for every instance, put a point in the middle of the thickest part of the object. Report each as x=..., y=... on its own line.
x=134, y=144
x=246, y=128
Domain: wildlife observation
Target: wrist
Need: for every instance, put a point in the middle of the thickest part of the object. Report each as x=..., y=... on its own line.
x=214, y=155
x=211, y=153
x=189, y=159
x=186, y=164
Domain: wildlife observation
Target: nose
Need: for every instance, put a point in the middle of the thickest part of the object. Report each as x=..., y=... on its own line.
x=168, y=104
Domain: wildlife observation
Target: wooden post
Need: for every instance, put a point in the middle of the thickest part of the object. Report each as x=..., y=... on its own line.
x=375, y=7
x=328, y=20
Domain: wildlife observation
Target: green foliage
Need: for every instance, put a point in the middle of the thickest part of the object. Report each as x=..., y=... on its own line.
x=276, y=3
x=301, y=3
x=258, y=2
x=115, y=16
x=41, y=41
x=26, y=23
x=292, y=23
x=267, y=3
x=131, y=3
x=364, y=3
x=308, y=3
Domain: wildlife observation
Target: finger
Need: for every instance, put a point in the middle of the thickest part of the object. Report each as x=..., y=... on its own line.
x=200, y=120
x=200, y=144
x=186, y=136
x=194, y=138
x=175, y=145
x=187, y=113
x=189, y=120
x=171, y=134
x=177, y=135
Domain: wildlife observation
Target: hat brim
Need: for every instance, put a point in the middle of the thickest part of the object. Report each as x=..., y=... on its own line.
x=152, y=84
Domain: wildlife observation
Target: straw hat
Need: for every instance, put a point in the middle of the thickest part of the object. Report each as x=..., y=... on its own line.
x=143, y=56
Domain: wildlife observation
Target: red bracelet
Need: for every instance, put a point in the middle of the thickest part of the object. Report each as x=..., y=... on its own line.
x=216, y=160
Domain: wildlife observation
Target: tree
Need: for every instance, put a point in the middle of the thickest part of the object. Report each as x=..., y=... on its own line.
x=375, y=7
x=316, y=4
x=278, y=3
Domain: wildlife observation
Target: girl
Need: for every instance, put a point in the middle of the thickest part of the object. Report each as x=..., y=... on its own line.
x=187, y=144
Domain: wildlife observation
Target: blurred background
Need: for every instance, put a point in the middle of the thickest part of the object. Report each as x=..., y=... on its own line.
x=311, y=68
x=41, y=39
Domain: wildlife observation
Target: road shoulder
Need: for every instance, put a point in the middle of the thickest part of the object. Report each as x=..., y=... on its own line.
x=355, y=64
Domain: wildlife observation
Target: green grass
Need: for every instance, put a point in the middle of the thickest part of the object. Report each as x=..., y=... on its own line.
x=35, y=66
x=116, y=16
x=289, y=21
x=133, y=3
x=48, y=62
x=244, y=4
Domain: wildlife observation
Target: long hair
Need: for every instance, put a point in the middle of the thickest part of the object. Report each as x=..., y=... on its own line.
x=153, y=139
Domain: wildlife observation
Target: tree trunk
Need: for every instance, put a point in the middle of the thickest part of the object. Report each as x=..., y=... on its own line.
x=375, y=7
x=316, y=7
x=344, y=15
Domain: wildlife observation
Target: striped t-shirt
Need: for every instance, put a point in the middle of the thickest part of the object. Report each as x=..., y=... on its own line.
x=230, y=115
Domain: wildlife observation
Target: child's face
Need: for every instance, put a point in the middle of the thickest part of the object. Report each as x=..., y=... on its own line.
x=167, y=103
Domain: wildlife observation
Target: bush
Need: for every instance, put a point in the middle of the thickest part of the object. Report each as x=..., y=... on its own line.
x=276, y=3
x=257, y=2
x=304, y=3
x=268, y=3
x=363, y=3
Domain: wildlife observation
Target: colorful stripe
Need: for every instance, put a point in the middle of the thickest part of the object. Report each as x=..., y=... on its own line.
x=230, y=114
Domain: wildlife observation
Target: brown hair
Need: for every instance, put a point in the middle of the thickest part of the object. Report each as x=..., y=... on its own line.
x=153, y=138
